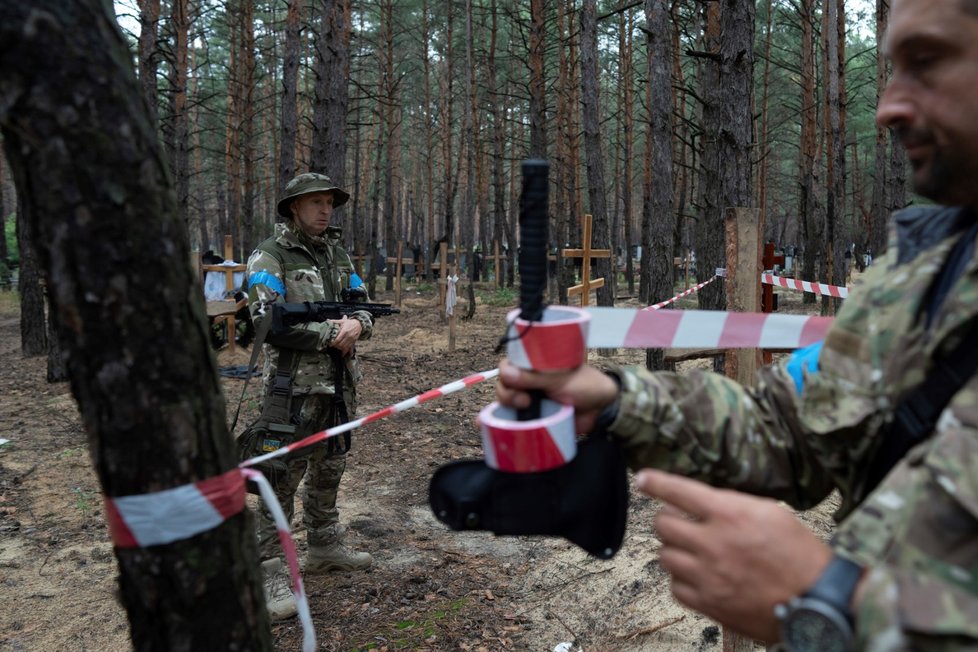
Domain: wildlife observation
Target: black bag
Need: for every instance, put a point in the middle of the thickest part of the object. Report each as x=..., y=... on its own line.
x=585, y=501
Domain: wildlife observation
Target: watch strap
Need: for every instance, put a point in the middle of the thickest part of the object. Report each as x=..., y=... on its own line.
x=837, y=583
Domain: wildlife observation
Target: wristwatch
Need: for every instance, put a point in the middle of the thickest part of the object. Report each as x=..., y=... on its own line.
x=819, y=620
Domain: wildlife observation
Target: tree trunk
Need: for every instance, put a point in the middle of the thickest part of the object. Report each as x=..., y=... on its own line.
x=628, y=129
x=176, y=132
x=332, y=93
x=247, y=237
x=290, y=80
x=659, y=218
x=811, y=229
x=149, y=18
x=538, y=93
x=835, y=232
x=591, y=120
x=33, y=332
x=4, y=253
x=138, y=359
x=876, y=233
x=709, y=225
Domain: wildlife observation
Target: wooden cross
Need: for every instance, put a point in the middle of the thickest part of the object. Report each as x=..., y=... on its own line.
x=587, y=253
x=397, y=271
x=225, y=310
x=358, y=261
x=496, y=258
x=768, y=261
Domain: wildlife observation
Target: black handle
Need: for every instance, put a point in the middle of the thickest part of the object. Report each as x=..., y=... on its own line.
x=533, y=253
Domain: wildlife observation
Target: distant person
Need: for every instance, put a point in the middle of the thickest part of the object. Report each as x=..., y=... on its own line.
x=315, y=366
x=885, y=411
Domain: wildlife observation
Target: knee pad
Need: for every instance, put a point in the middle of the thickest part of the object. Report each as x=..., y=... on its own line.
x=585, y=501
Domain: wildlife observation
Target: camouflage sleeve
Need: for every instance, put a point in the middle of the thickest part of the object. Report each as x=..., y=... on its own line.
x=902, y=610
x=366, y=322
x=709, y=427
x=266, y=286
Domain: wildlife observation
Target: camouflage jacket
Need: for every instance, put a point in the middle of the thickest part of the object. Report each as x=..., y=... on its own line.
x=291, y=268
x=806, y=429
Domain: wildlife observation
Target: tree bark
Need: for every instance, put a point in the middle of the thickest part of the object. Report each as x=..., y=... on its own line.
x=33, y=331
x=659, y=217
x=876, y=231
x=127, y=311
x=149, y=18
x=538, y=97
x=290, y=109
x=591, y=121
x=176, y=131
x=332, y=92
x=811, y=229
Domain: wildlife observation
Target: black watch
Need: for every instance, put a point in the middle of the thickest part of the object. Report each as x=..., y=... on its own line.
x=819, y=620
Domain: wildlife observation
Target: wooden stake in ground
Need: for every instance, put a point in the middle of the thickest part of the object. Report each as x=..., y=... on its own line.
x=587, y=253
x=358, y=261
x=397, y=271
x=743, y=295
x=225, y=310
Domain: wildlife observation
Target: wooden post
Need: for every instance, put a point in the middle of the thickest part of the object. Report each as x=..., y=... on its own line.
x=587, y=253
x=397, y=271
x=743, y=284
x=228, y=308
x=743, y=295
x=768, y=261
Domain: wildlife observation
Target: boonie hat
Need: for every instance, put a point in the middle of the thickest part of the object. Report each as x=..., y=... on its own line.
x=306, y=183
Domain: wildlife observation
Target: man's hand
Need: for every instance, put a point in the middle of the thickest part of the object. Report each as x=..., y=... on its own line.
x=732, y=557
x=588, y=389
x=347, y=335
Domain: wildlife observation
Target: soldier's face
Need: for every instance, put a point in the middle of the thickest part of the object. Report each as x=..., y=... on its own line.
x=312, y=212
x=932, y=97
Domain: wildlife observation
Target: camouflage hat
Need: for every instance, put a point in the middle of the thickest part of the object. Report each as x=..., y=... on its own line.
x=308, y=183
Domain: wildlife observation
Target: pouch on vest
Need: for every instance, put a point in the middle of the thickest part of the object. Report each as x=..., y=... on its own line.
x=585, y=501
x=263, y=437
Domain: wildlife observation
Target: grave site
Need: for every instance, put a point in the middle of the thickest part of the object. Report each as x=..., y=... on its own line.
x=692, y=182
x=430, y=588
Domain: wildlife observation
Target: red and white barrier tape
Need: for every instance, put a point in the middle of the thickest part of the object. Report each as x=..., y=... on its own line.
x=528, y=446
x=291, y=556
x=557, y=342
x=431, y=394
x=684, y=293
x=170, y=515
x=660, y=329
x=805, y=286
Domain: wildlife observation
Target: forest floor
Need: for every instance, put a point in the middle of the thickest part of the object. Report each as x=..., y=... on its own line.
x=429, y=589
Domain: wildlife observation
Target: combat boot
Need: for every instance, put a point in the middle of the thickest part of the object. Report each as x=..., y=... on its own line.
x=278, y=590
x=336, y=556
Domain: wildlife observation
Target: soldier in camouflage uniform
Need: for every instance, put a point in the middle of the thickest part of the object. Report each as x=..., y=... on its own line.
x=815, y=422
x=304, y=261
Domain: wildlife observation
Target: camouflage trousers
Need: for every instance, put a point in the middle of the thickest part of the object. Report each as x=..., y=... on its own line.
x=322, y=470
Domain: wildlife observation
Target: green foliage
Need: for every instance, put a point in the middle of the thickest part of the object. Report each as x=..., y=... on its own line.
x=498, y=297
x=85, y=500
x=415, y=633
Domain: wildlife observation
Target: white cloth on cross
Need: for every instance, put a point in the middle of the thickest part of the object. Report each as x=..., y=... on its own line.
x=451, y=297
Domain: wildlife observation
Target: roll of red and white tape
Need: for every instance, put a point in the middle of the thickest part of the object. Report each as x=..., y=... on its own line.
x=555, y=343
x=528, y=446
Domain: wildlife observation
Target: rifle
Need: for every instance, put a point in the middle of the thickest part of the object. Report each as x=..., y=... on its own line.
x=289, y=314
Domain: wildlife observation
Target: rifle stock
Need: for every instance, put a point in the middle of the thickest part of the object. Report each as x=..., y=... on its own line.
x=285, y=315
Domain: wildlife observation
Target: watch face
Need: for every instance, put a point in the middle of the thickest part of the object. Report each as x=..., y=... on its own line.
x=810, y=630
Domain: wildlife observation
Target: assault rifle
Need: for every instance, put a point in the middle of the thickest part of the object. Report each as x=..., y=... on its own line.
x=289, y=314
